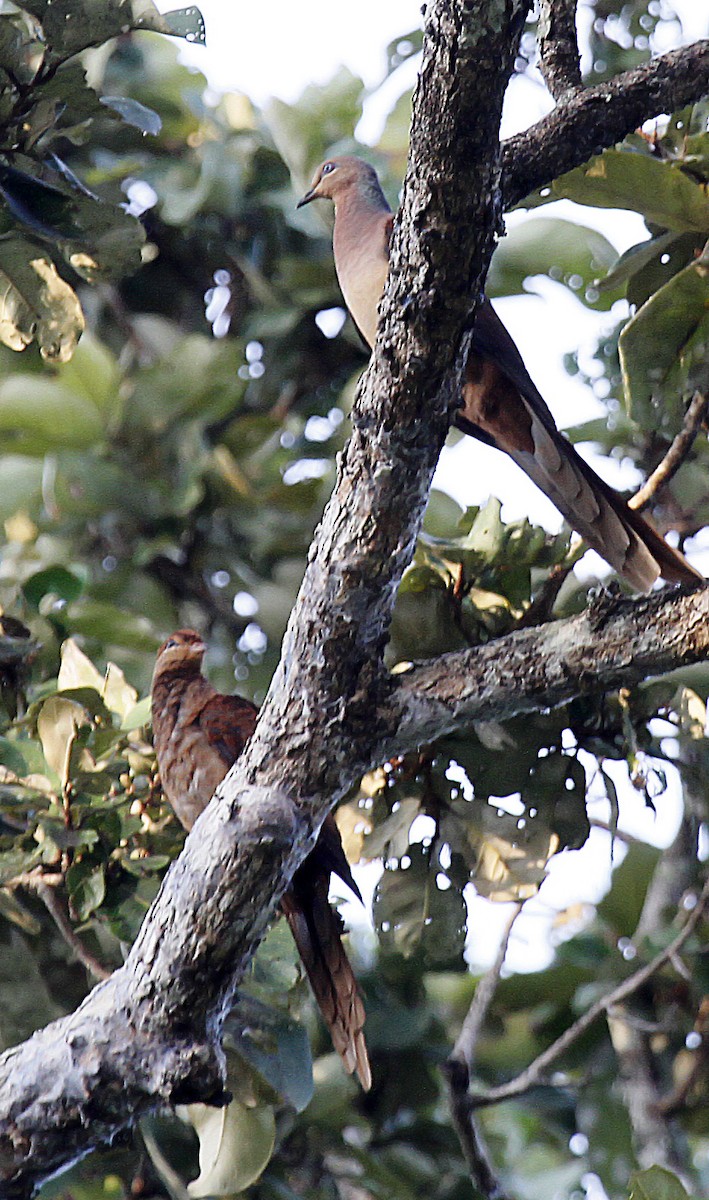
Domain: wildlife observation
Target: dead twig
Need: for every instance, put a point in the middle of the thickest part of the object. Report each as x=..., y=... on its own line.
x=676, y=455
x=44, y=886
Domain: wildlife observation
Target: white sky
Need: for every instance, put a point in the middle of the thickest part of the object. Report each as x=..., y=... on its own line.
x=276, y=48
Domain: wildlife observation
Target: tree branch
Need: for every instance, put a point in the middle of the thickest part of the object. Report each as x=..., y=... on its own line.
x=558, y=47
x=536, y=1071
x=150, y=1035
x=676, y=455
x=601, y=116
x=614, y=643
x=460, y=1067
x=46, y=889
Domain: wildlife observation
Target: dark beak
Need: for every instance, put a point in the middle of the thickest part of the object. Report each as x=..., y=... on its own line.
x=311, y=195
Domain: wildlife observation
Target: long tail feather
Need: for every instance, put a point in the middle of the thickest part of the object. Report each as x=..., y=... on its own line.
x=317, y=932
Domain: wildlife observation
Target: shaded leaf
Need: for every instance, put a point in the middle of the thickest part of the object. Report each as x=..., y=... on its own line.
x=72, y=25
x=134, y=113
x=415, y=907
x=35, y=302
x=565, y=251
x=656, y=1184
x=54, y=580
x=659, y=334
x=275, y=1046
x=86, y=884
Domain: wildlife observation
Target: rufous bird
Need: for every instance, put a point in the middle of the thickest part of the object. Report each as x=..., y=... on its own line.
x=500, y=404
x=198, y=734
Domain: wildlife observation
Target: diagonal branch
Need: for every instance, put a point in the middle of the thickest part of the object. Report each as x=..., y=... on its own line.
x=150, y=1034
x=461, y=1065
x=601, y=116
x=536, y=1072
x=681, y=445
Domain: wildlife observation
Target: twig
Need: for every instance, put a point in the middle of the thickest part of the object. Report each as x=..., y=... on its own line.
x=542, y=606
x=459, y=1069
x=44, y=887
x=535, y=1072
x=676, y=454
x=558, y=47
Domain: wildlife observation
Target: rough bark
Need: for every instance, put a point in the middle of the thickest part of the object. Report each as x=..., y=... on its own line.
x=558, y=47
x=597, y=117
x=150, y=1034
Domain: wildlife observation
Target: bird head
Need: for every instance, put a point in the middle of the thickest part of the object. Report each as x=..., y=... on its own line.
x=185, y=647
x=336, y=175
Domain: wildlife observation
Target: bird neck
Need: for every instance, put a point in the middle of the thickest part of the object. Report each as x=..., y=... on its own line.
x=364, y=199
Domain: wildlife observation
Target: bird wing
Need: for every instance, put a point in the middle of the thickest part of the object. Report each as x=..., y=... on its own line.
x=228, y=722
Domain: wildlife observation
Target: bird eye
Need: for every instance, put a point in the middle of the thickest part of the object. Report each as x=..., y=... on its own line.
x=327, y=168
x=170, y=644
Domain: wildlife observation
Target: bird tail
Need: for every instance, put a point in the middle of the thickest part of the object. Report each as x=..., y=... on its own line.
x=593, y=509
x=317, y=932
x=503, y=407
x=603, y=518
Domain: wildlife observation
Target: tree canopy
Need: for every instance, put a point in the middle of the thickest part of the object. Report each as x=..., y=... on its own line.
x=168, y=442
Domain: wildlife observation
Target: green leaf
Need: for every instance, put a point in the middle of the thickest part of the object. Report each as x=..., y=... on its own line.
x=565, y=251
x=54, y=580
x=72, y=25
x=36, y=202
x=275, y=1046
x=659, y=189
x=656, y=1184
x=671, y=330
x=137, y=716
x=86, y=884
x=413, y=910
x=38, y=415
x=622, y=906
x=35, y=302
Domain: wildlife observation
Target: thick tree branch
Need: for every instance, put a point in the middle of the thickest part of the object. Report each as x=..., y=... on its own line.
x=598, y=117
x=150, y=1034
x=616, y=642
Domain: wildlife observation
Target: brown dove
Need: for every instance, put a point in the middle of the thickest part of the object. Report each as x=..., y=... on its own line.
x=198, y=734
x=500, y=404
